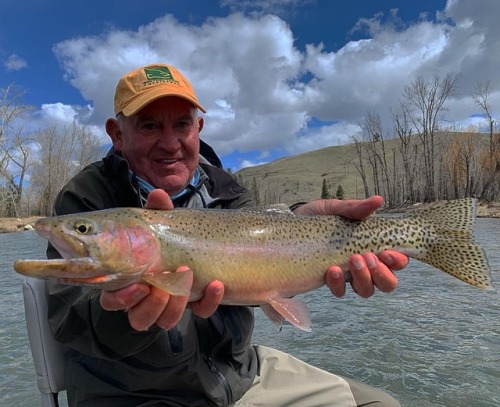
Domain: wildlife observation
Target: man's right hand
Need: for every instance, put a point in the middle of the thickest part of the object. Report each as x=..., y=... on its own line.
x=148, y=305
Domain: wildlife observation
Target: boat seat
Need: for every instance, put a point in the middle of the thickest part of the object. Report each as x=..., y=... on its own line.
x=46, y=351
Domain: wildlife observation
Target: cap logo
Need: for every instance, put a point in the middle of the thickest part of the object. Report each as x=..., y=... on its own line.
x=158, y=74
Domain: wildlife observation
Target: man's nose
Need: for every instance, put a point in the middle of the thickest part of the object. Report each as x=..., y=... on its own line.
x=168, y=139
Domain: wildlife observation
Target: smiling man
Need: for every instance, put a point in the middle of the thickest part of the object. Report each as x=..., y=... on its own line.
x=141, y=346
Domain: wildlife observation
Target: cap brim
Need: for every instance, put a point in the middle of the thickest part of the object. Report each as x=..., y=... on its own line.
x=142, y=100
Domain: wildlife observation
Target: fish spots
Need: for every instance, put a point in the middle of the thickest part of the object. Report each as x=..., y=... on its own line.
x=254, y=249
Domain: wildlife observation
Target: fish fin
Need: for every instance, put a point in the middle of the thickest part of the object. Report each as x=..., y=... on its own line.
x=454, y=250
x=273, y=315
x=291, y=310
x=175, y=283
x=462, y=259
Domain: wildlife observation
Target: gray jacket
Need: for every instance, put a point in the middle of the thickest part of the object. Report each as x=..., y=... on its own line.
x=199, y=362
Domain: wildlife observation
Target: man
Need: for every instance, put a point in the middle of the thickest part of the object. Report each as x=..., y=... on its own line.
x=160, y=350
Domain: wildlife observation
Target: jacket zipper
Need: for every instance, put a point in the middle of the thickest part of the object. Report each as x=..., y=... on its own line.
x=207, y=358
x=222, y=379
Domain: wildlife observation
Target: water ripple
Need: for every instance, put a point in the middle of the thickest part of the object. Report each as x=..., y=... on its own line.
x=433, y=342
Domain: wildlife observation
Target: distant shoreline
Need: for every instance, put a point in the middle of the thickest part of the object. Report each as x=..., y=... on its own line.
x=8, y=225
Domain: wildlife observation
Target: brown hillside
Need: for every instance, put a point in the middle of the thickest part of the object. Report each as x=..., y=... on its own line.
x=299, y=178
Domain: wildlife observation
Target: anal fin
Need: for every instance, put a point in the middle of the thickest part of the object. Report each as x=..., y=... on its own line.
x=288, y=309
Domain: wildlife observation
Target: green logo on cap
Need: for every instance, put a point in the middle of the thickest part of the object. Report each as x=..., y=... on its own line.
x=158, y=74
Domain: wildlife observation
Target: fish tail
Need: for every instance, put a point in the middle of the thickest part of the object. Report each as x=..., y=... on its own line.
x=452, y=248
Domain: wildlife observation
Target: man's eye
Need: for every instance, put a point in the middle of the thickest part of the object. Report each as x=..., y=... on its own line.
x=183, y=124
x=149, y=126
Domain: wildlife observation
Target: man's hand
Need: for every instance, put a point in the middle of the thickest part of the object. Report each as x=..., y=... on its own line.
x=148, y=305
x=368, y=271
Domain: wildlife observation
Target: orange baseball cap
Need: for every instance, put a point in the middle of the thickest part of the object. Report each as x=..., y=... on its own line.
x=138, y=88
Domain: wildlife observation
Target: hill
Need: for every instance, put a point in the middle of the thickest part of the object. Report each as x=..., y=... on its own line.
x=300, y=178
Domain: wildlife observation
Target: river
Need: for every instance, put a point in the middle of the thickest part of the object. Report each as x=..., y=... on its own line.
x=435, y=341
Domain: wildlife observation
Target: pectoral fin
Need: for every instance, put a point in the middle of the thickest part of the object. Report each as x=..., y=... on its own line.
x=175, y=283
x=289, y=309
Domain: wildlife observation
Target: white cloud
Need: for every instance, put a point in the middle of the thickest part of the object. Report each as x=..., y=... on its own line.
x=14, y=63
x=249, y=74
x=329, y=135
x=59, y=115
x=250, y=163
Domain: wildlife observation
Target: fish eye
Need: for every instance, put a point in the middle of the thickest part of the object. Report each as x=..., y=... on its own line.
x=83, y=227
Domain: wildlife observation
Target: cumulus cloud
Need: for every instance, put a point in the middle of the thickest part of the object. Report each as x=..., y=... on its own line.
x=58, y=115
x=261, y=91
x=14, y=63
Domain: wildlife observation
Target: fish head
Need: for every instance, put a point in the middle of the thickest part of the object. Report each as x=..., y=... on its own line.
x=109, y=248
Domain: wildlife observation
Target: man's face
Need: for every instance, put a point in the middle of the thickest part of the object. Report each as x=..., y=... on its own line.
x=160, y=142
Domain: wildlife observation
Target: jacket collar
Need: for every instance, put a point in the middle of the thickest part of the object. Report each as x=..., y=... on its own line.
x=212, y=183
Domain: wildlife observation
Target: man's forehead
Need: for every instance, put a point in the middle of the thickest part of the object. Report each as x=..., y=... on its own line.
x=170, y=106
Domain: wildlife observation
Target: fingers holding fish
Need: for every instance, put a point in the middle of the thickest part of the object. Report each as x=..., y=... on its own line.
x=172, y=311
x=367, y=273
x=361, y=267
x=394, y=260
x=352, y=209
x=159, y=199
x=382, y=276
x=207, y=305
x=152, y=307
x=124, y=298
x=335, y=281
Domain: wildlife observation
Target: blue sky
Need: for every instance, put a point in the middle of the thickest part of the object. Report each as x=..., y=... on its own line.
x=277, y=77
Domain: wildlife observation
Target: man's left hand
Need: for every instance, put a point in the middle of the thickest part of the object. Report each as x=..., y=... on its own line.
x=368, y=271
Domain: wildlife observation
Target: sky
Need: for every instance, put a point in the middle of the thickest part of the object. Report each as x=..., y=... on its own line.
x=277, y=77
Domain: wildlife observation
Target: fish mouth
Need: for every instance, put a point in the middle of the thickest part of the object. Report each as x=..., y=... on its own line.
x=76, y=271
x=69, y=247
x=80, y=268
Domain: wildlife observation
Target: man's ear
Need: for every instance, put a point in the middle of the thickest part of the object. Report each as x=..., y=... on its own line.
x=114, y=132
x=201, y=123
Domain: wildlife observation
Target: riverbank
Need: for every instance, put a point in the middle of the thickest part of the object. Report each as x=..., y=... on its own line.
x=8, y=225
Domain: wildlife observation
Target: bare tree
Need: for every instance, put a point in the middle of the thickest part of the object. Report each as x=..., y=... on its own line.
x=425, y=101
x=360, y=165
x=62, y=153
x=481, y=97
x=461, y=161
x=15, y=148
x=407, y=150
x=377, y=156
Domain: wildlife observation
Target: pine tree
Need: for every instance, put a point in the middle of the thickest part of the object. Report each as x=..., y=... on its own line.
x=340, y=192
x=325, y=192
x=255, y=191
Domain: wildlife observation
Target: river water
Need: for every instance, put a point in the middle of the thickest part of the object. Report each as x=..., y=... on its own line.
x=435, y=341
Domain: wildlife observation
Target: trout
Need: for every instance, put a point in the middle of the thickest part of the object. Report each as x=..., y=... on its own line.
x=263, y=257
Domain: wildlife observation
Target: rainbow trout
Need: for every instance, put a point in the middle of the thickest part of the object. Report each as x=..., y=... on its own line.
x=262, y=257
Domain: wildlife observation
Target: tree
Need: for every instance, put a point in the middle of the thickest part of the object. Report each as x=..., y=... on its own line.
x=377, y=156
x=360, y=164
x=340, y=192
x=63, y=153
x=481, y=97
x=325, y=191
x=425, y=101
x=255, y=191
x=15, y=148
